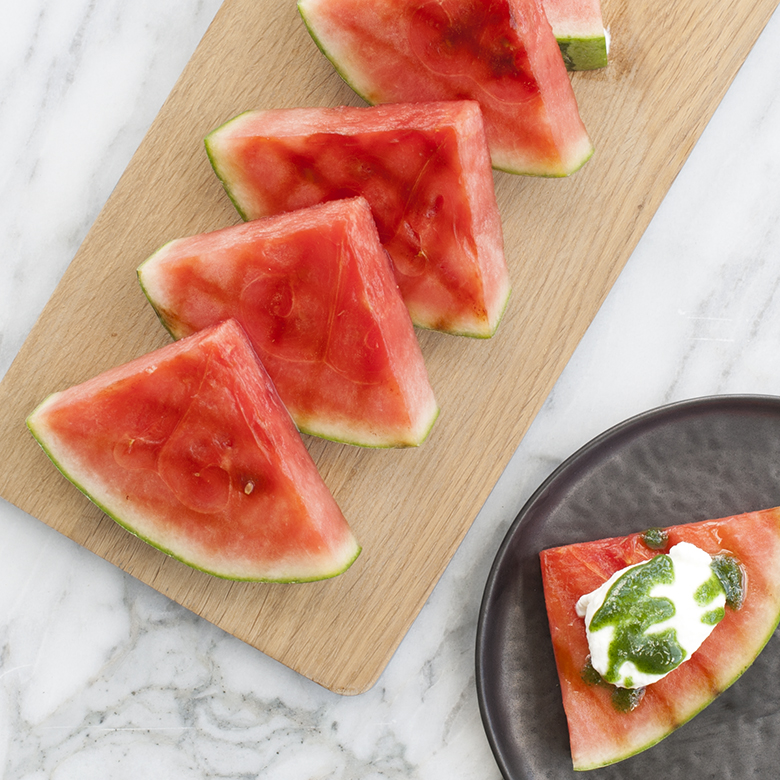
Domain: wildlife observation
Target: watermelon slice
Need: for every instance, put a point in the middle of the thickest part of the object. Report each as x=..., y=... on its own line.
x=424, y=169
x=191, y=449
x=501, y=53
x=600, y=733
x=315, y=293
x=579, y=29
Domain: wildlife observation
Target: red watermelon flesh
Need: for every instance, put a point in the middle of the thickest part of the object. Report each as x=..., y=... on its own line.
x=191, y=449
x=425, y=171
x=599, y=733
x=501, y=53
x=314, y=291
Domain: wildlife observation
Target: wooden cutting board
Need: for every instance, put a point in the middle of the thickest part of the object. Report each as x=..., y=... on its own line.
x=566, y=241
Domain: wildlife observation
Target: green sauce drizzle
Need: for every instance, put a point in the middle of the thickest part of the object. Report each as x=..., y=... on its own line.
x=623, y=699
x=708, y=590
x=630, y=609
x=730, y=575
x=655, y=538
x=591, y=677
x=627, y=699
x=713, y=617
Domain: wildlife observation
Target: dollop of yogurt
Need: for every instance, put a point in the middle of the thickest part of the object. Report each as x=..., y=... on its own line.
x=648, y=618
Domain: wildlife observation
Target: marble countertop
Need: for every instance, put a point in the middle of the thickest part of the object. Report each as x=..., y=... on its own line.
x=101, y=676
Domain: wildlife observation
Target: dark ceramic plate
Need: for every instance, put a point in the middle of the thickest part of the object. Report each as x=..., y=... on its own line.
x=689, y=461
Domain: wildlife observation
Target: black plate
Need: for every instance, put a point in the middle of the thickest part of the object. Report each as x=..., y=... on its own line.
x=689, y=461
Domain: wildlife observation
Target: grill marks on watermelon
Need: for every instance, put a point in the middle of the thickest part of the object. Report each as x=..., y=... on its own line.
x=314, y=290
x=424, y=170
x=501, y=53
x=191, y=449
x=599, y=734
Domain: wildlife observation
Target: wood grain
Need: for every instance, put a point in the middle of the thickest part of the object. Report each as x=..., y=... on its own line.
x=566, y=240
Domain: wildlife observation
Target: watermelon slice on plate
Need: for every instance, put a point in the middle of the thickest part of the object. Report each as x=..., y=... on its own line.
x=190, y=448
x=315, y=293
x=425, y=171
x=501, y=53
x=579, y=29
x=600, y=732
x=703, y=458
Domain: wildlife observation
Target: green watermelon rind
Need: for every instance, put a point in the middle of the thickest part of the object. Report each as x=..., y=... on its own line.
x=330, y=58
x=30, y=421
x=470, y=333
x=322, y=434
x=545, y=175
x=581, y=54
x=217, y=170
x=147, y=294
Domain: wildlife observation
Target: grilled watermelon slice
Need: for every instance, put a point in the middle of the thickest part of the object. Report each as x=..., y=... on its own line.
x=191, y=449
x=501, y=53
x=599, y=733
x=425, y=171
x=315, y=293
x=579, y=29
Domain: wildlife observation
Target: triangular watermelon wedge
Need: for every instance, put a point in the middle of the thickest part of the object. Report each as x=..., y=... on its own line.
x=599, y=733
x=315, y=293
x=501, y=53
x=190, y=448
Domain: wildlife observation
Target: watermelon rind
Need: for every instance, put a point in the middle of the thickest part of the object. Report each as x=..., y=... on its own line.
x=420, y=435
x=583, y=53
x=217, y=168
x=342, y=72
x=41, y=438
x=484, y=334
x=599, y=736
x=579, y=29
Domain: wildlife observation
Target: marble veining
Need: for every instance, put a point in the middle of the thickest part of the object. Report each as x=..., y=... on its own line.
x=102, y=677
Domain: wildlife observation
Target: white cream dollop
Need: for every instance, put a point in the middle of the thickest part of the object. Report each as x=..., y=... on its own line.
x=692, y=569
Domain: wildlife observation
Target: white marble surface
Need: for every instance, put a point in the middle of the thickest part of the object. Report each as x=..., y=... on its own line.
x=102, y=677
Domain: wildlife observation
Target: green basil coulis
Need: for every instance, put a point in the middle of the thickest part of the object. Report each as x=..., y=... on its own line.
x=729, y=573
x=630, y=609
x=655, y=538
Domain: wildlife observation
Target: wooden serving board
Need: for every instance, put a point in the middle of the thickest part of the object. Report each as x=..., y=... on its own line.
x=566, y=241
